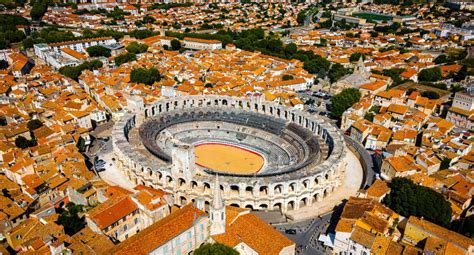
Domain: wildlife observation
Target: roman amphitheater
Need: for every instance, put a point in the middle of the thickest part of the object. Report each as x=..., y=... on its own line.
x=267, y=156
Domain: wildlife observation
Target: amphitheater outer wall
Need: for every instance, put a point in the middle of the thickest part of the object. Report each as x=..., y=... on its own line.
x=288, y=191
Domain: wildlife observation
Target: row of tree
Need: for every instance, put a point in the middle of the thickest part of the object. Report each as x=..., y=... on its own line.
x=74, y=72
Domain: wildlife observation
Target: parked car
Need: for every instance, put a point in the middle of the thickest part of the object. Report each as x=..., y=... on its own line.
x=290, y=231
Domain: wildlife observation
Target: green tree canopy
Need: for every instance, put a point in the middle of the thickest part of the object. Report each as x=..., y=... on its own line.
x=70, y=220
x=124, y=58
x=175, y=44
x=430, y=94
x=98, y=51
x=343, y=100
x=74, y=72
x=337, y=71
x=23, y=143
x=34, y=124
x=430, y=74
x=215, y=249
x=146, y=76
x=356, y=56
x=137, y=48
x=39, y=9
x=408, y=198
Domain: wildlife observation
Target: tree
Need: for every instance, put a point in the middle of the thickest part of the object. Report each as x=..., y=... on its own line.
x=23, y=143
x=175, y=44
x=317, y=64
x=137, y=48
x=124, y=58
x=34, y=124
x=39, y=9
x=28, y=43
x=215, y=249
x=146, y=76
x=408, y=198
x=70, y=220
x=98, y=51
x=430, y=94
x=445, y=163
x=356, y=56
x=300, y=18
x=465, y=226
x=337, y=71
x=287, y=77
x=430, y=74
x=3, y=64
x=343, y=100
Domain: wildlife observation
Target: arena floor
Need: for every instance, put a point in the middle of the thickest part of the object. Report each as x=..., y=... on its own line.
x=228, y=158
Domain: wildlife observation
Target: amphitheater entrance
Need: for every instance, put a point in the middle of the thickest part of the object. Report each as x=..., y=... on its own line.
x=228, y=158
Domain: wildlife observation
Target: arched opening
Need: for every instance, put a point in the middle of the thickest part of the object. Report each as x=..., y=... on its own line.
x=263, y=206
x=277, y=206
x=234, y=205
x=183, y=201
x=278, y=189
x=194, y=185
x=292, y=187
x=181, y=182
x=290, y=206
x=264, y=190
x=306, y=184
x=207, y=188
x=249, y=207
x=224, y=102
x=207, y=205
x=304, y=202
x=325, y=193
x=234, y=190
x=249, y=191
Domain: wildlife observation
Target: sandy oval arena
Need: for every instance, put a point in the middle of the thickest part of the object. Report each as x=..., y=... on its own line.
x=228, y=158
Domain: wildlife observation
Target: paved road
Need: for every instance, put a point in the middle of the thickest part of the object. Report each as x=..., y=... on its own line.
x=308, y=233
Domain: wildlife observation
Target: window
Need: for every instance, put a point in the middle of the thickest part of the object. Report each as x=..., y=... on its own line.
x=135, y=221
x=125, y=227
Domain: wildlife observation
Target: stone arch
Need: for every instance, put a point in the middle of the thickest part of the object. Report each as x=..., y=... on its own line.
x=290, y=205
x=183, y=200
x=278, y=189
x=234, y=190
x=277, y=206
x=292, y=187
x=304, y=202
x=181, y=182
x=306, y=184
x=249, y=189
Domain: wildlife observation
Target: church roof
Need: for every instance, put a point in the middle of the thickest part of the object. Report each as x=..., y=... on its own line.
x=245, y=227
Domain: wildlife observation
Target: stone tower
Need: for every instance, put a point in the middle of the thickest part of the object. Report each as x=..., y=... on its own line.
x=136, y=105
x=182, y=155
x=217, y=211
